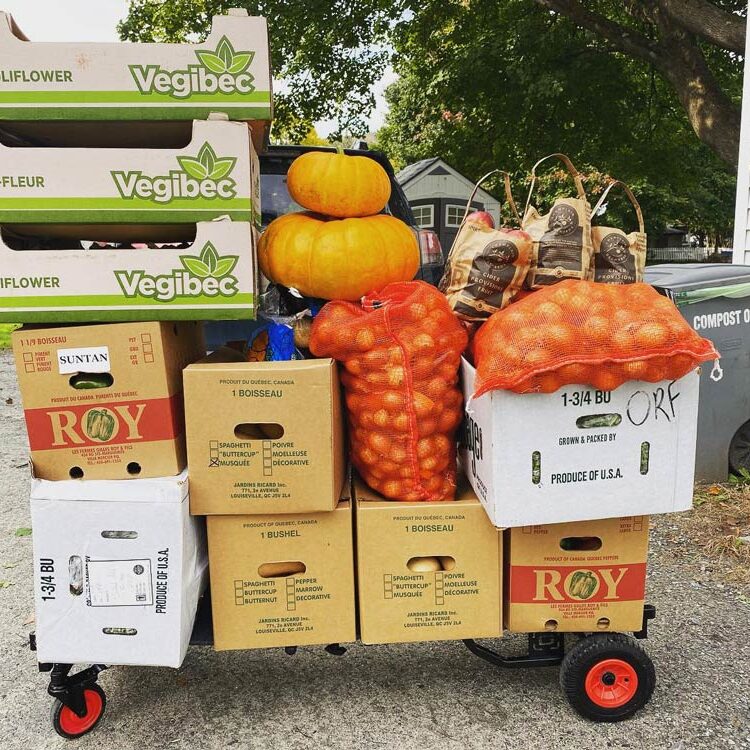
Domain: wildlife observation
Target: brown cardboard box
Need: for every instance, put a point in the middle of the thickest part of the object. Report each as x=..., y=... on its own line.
x=398, y=602
x=593, y=581
x=264, y=437
x=134, y=427
x=282, y=580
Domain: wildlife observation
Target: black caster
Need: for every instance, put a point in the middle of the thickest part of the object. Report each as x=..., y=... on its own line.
x=607, y=677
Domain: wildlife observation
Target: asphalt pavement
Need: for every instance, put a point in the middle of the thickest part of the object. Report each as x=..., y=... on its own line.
x=405, y=697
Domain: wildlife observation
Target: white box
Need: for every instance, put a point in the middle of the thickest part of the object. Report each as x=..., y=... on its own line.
x=216, y=174
x=531, y=460
x=119, y=567
x=82, y=81
x=117, y=284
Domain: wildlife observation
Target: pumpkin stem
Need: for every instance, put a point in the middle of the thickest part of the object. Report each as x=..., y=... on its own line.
x=340, y=147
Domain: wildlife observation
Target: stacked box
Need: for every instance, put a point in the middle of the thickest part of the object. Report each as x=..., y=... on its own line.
x=74, y=88
x=267, y=468
x=588, y=576
x=427, y=571
x=150, y=218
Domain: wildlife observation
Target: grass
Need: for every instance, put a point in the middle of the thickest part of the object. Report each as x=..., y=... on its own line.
x=5, y=330
x=718, y=522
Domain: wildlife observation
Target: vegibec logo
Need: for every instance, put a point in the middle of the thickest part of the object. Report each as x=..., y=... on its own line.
x=222, y=71
x=208, y=275
x=206, y=176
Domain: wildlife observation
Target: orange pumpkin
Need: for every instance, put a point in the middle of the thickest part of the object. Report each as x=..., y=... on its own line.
x=338, y=259
x=338, y=185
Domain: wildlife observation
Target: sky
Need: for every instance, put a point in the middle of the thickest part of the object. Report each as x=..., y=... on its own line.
x=96, y=21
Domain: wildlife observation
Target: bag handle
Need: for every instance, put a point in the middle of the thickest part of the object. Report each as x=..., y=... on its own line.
x=572, y=171
x=508, y=194
x=508, y=198
x=631, y=197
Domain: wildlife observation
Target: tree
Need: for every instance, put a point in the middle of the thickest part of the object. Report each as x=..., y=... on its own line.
x=328, y=55
x=670, y=35
x=510, y=82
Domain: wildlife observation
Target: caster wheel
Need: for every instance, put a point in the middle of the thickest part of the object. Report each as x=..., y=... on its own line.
x=607, y=677
x=67, y=724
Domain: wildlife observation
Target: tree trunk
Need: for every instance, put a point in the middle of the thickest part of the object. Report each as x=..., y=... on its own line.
x=676, y=54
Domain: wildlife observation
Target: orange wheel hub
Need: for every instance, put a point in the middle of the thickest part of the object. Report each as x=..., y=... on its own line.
x=611, y=683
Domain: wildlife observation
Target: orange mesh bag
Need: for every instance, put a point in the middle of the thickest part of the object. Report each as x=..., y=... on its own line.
x=583, y=332
x=401, y=350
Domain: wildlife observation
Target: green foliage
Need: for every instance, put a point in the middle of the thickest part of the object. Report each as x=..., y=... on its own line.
x=329, y=55
x=499, y=84
x=5, y=330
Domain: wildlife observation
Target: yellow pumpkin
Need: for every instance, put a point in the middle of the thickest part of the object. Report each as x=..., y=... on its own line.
x=338, y=258
x=338, y=185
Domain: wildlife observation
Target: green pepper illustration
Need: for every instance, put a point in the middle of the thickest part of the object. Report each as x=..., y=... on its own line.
x=582, y=584
x=100, y=424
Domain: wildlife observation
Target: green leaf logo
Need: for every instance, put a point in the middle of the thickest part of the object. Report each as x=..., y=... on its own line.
x=207, y=166
x=225, y=59
x=209, y=264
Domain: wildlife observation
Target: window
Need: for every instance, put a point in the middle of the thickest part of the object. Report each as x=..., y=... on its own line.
x=454, y=215
x=424, y=216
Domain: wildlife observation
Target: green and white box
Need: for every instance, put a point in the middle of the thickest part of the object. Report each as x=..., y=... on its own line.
x=215, y=278
x=52, y=81
x=216, y=174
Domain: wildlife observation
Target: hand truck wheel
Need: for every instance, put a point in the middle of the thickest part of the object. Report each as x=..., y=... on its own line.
x=607, y=677
x=68, y=724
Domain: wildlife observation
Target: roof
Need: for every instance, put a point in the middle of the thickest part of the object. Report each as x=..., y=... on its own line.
x=409, y=173
x=419, y=168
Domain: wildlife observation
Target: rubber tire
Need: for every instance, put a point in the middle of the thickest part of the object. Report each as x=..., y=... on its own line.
x=58, y=706
x=593, y=649
x=739, y=450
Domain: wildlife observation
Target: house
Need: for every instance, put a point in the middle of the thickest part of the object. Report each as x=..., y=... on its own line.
x=437, y=194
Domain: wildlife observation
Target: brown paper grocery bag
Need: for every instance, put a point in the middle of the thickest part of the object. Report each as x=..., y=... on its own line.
x=486, y=267
x=619, y=258
x=562, y=238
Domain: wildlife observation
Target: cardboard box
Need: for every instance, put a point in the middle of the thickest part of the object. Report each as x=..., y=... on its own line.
x=580, y=454
x=131, y=428
x=118, y=570
x=229, y=72
x=215, y=175
x=401, y=601
x=215, y=278
x=576, y=577
x=264, y=437
x=282, y=580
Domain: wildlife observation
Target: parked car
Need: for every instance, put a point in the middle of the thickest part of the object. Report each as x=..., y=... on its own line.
x=276, y=201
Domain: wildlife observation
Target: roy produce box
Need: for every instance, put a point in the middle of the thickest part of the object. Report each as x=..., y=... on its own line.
x=228, y=72
x=580, y=453
x=263, y=437
x=576, y=577
x=119, y=567
x=214, y=278
x=427, y=571
x=214, y=175
x=282, y=580
x=105, y=401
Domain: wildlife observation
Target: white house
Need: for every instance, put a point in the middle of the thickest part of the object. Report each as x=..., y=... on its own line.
x=437, y=194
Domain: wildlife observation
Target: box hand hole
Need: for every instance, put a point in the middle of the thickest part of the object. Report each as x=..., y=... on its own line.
x=76, y=472
x=580, y=543
x=281, y=569
x=119, y=631
x=75, y=573
x=115, y=534
x=430, y=563
x=87, y=381
x=259, y=431
x=590, y=421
